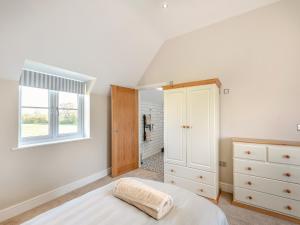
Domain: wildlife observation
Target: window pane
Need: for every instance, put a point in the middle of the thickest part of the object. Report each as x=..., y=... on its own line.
x=34, y=122
x=68, y=100
x=68, y=121
x=34, y=97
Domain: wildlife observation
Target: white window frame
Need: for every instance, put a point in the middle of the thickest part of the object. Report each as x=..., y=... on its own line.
x=53, y=121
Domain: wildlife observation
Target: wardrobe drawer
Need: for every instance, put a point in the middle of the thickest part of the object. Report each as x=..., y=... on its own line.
x=198, y=188
x=279, y=188
x=268, y=170
x=250, y=151
x=192, y=174
x=286, y=155
x=271, y=202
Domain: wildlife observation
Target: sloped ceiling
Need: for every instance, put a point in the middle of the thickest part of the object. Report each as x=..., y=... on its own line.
x=112, y=40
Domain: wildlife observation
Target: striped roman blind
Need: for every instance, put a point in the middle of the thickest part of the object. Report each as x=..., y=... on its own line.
x=51, y=82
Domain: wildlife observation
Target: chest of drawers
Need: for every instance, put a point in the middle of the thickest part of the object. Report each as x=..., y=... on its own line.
x=267, y=177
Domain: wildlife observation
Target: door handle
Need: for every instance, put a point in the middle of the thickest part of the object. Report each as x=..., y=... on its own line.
x=186, y=126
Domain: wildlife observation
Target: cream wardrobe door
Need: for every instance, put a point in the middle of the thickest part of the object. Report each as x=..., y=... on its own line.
x=201, y=152
x=174, y=119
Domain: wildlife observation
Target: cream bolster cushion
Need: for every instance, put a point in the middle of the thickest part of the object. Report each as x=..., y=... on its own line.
x=151, y=201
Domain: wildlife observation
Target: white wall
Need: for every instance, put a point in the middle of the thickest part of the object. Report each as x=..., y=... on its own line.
x=151, y=102
x=256, y=56
x=113, y=41
x=110, y=40
x=27, y=173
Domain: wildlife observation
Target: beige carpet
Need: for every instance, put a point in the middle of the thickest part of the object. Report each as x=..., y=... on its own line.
x=235, y=215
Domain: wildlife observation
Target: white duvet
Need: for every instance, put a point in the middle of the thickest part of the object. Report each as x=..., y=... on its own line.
x=99, y=207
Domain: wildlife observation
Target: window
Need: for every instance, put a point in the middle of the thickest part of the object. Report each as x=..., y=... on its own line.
x=34, y=113
x=49, y=115
x=51, y=108
x=68, y=111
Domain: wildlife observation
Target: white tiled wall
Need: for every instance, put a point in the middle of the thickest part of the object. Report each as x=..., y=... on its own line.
x=149, y=148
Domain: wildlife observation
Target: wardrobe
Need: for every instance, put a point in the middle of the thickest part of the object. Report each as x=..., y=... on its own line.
x=191, y=136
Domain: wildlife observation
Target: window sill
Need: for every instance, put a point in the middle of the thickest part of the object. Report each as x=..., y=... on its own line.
x=50, y=143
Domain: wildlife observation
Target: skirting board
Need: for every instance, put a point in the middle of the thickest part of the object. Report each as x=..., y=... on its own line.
x=267, y=212
x=48, y=196
x=147, y=155
x=225, y=187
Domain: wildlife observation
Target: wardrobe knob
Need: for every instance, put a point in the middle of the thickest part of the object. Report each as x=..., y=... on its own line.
x=288, y=207
x=249, y=183
x=286, y=156
x=250, y=197
x=201, y=190
x=172, y=182
x=201, y=177
x=249, y=168
x=172, y=171
x=287, y=191
x=248, y=152
x=287, y=174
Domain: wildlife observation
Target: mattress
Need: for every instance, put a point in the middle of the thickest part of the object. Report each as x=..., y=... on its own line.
x=99, y=207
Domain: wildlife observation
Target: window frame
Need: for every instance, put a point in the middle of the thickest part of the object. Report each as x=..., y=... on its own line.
x=53, y=121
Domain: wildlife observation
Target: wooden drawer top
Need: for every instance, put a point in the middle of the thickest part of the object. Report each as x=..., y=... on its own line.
x=266, y=142
x=215, y=81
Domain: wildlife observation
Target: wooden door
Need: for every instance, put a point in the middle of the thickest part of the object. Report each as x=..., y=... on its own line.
x=174, y=121
x=124, y=117
x=201, y=131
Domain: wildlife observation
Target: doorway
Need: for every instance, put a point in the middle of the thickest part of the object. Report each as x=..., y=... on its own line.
x=151, y=129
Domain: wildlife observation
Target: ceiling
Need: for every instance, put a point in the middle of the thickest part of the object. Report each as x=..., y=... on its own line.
x=112, y=40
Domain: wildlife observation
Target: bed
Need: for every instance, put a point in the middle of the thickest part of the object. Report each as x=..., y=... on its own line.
x=99, y=207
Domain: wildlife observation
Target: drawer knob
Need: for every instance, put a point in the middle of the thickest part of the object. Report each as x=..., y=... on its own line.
x=201, y=177
x=172, y=182
x=287, y=174
x=286, y=156
x=250, y=197
x=249, y=168
x=248, y=152
x=201, y=190
x=287, y=191
x=288, y=207
x=172, y=170
x=249, y=183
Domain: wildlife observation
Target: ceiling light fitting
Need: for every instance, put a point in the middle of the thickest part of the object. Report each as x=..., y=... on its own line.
x=165, y=5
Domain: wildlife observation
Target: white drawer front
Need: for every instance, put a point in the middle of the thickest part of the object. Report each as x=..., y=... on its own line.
x=198, y=188
x=271, y=202
x=250, y=151
x=192, y=174
x=279, y=188
x=267, y=170
x=282, y=154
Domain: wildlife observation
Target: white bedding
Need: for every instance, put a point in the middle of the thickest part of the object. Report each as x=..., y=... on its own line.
x=99, y=207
